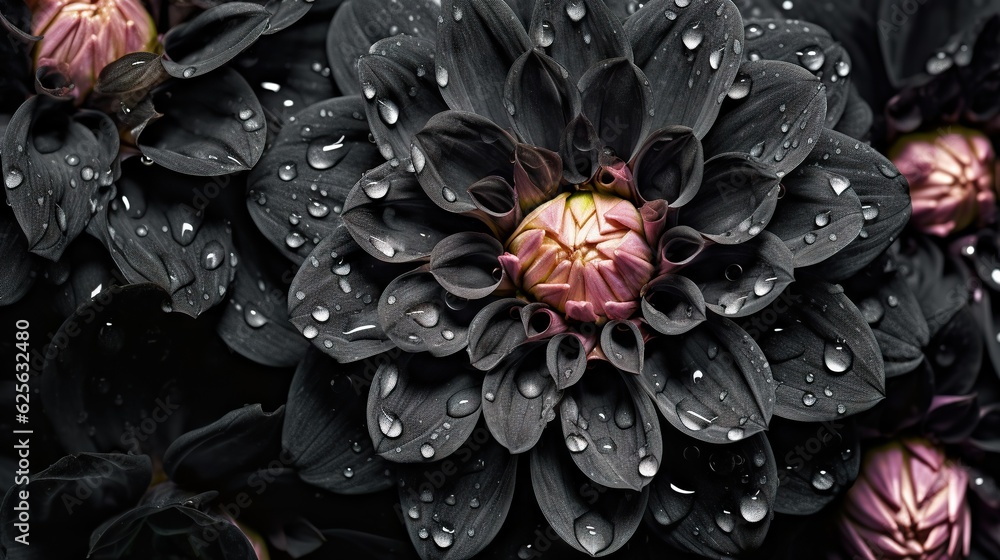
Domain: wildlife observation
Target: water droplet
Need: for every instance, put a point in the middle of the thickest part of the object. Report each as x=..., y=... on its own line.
x=682, y=3
x=443, y=536
x=715, y=59
x=809, y=238
x=872, y=310
x=812, y=58
x=426, y=450
x=843, y=68
x=72, y=160
x=376, y=189
x=382, y=246
x=741, y=87
x=368, y=89
x=530, y=384
x=253, y=317
x=463, y=403
x=839, y=184
x=324, y=153
x=441, y=77
x=869, y=213
x=838, y=357
x=823, y=219
x=576, y=9
x=694, y=415
x=321, y=314
x=648, y=466
x=841, y=408
x=725, y=521
x=388, y=111
x=287, y=171
x=625, y=415
x=426, y=315
x=939, y=63
x=212, y=255
x=827, y=391
x=544, y=34
x=822, y=480
x=808, y=399
x=87, y=173
x=389, y=424
x=457, y=13
x=763, y=286
x=294, y=240
x=757, y=150
x=61, y=219
x=606, y=446
x=575, y=443
x=752, y=508
x=692, y=37
x=735, y=434
x=593, y=532
x=318, y=209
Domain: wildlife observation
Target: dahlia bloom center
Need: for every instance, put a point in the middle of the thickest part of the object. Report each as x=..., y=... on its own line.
x=952, y=179
x=87, y=35
x=583, y=253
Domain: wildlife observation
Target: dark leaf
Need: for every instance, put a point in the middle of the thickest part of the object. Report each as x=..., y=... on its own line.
x=209, y=126
x=334, y=302
x=738, y=280
x=227, y=451
x=775, y=113
x=423, y=408
x=823, y=355
x=520, y=398
x=816, y=463
x=325, y=428
x=298, y=189
x=591, y=518
x=213, y=38
x=713, y=384
x=461, y=511
x=578, y=34
x=477, y=43
x=882, y=190
x=691, y=55
x=58, y=169
x=735, y=202
x=714, y=500
x=397, y=81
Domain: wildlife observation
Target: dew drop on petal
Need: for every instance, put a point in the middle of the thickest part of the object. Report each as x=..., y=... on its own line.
x=808, y=399
x=837, y=357
x=253, y=317
x=463, y=403
x=310, y=332
x=812, y=58
x=575, y=443
x=426, y=451
x=752, y=508
x=822, y=480
x=544, y=34
x=735, y=434
x=725, y=521
x=692, y=37
x=576, y=9
x=321, y=314
x=389, y=424
x=426, y=315
x=287, y=171
x=648, y=466
x=593, y=532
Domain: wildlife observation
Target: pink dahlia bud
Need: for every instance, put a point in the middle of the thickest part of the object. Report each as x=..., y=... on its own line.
x=952, y=179
x=908, y=502
x=86, y=35
x=584, y=254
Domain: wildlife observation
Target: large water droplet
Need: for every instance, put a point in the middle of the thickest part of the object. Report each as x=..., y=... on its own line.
x=692, y=37
x=443, y=536
x=593, y=532
x=189, y=71
x=530, y=384
x=715, y=59
x=839, y=184
x=735, y=434
x=606, y=446
x=544, y=34
x=752, y=508
x=426, y=315
x=725, y=521
x=382, y=246
x=427, y=451
x=294, y=240
x=694, y=415
x=388, y=111
x=822, y=480
x=741, y=87
x=61, y=219
x=13, y=179
x=763, y=286
x=212, y=255
x=254, y=318
x=822, y=219
x=837, y=357
x=812, y=58
x=808, y=399
x=576, y=9
x=648, y=466
x=441, y=76
x=576, y=443
x=463, y=403
x=324, y=153
x=869, y=213
x=321, y=314
x=287, y=171
x=389, y=424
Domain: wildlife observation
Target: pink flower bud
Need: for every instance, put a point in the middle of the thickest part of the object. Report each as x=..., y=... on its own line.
x=584, y=254
x=952, y=179
x=908, y=502
x=86, y=35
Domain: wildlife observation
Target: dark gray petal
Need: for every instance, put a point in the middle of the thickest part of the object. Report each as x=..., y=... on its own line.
x=397, y=81
x=811, y=47
x=672, y=304
x=58, y=170
x=823, y=355
x=857, y=119
x=738, y=280
x=325, y=428
x=392, y=219
x=455, y=151
x=611, y=429
x=775, y=113
x=884, y=198
x=735, y=202
x=478, y=41
x=580, y=150
x=495, y=332
x=816, y=463
x=591, y=518
x=690, y=51
x=213, y=38
x=893, y=313
x=202, y=130
x=134, y=71
x=422, y=408
x=360, y=23
x=221, y=453
x=620, y=115
x=461, y=511
x=622, y=344
x=566, y=358
x=17, y=274
x=419, y=315
x=715, y=500
x=578, y=34
x=540, y=99
x=669, y=166
x=284, y=13
x=297, y=191
x=520, y=398
x=333, y=300
x=713, y=384
x=819, y=214
x=466, y=264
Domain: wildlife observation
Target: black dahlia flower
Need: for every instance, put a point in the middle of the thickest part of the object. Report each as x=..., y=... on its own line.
x=537, y=213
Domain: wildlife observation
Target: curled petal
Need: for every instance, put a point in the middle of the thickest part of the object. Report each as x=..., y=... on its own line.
x=669, y=166
x=672, y=304
x=466, y=264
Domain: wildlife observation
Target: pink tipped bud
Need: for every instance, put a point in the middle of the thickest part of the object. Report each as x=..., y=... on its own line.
x=584, y=254
x=952, y=179
x=908, y=502
x=88, y=34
